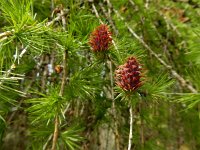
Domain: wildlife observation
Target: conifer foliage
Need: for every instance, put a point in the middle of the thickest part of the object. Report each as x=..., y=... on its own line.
x=57, y=91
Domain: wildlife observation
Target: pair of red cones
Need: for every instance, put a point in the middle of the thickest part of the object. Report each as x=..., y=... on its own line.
x=127, y=76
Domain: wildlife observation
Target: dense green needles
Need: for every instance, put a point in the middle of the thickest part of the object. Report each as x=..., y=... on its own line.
x=99, y=74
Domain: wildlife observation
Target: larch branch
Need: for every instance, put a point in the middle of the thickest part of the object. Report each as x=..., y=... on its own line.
x=181, y=80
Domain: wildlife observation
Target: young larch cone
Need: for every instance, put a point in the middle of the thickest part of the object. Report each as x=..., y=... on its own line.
x=100, y=38
x=128, y=76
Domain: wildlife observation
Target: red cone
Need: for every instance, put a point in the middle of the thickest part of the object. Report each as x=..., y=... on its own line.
x=100, y=39
x=128, y=76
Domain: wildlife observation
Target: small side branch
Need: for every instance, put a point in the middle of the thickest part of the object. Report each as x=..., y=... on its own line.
x=5, y=35
x=55, y=134
x=147, y=4
x=114, y=113
x=12, y=67
x=58, y=18
x=63, y=19
x=64, y=73
x=131, y=128
x=109, y=18
x=96, y=13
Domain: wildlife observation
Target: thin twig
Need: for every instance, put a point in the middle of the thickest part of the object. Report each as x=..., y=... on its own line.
x=46, y=144
x=132, y=3
x=63, y=19
x=147, y=4
x=142, y=125
x=59, y=17
x=64, y=73
x=114, y=108
x=55, y=134
x=96, y=13
x=5, y=35
x=109, y=18
x=52, y=5
x=182, y=81
x=45, y=73
x=170, y=24
x=56, y=129
x=131, y=128
x=12, y=67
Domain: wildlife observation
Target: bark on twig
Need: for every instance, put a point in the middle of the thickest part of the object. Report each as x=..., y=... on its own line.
x=5, y=35
x=59, y=17
x=131, y=128
x=142, y=126
x=96, y=13
x=63, y=19
x=56, y=129
x=55, y=134
x=147, y=4
x=114, y=113
x=45, y=73
x=109, y=18
x=64, y=73
x=132, y=3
